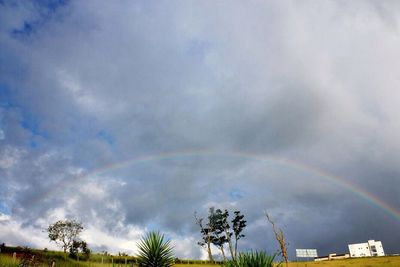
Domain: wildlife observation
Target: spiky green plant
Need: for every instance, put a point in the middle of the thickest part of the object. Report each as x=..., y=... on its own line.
x=154, y=251
x=252, y=259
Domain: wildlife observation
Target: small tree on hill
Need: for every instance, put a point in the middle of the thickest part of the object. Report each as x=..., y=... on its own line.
x=65, y=233
x=79, y=246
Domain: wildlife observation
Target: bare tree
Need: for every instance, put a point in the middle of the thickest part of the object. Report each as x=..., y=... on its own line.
x=280, y=238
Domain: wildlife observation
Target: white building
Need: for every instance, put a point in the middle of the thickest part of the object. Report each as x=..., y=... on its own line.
x=369, y=249
x=332, y=256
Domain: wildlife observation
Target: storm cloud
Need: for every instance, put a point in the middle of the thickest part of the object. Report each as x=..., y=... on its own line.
x=130, y=116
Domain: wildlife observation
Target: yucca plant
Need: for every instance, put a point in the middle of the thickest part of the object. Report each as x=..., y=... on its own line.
x=154, y=251
x=252, y=259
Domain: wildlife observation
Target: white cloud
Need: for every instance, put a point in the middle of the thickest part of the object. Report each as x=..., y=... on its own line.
x=185, y=247
x=14, y=234
x=93, y=190
x=10, y=157
x=84, y=98
x=115, y=243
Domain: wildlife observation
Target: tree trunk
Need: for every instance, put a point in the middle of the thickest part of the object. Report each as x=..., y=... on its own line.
x=236, y=241
x=231, y=249
x=210, y=256
x=223, y=252
x=229, y=239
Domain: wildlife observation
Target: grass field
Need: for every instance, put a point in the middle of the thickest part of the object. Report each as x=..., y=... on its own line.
x=7, y=261
x=362, y=262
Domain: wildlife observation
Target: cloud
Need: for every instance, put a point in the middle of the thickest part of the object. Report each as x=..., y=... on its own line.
x=16, y=235
x=132, y=116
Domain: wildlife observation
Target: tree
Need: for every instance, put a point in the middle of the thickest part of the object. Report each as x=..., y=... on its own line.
x=280, y=238
x=79, y=246
x=218, y=238
x=222, y=233
x=64, y=233
x=207, y=232
x=238, y=225
x=218, y=231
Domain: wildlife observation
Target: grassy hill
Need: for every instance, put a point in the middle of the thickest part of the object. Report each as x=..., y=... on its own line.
x=44, y=258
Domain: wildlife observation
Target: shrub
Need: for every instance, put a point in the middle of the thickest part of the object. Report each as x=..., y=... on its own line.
x=154, y=251
x=252, y=259
x=29, y=258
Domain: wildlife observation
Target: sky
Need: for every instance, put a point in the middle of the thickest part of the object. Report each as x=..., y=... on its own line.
x=130, y=116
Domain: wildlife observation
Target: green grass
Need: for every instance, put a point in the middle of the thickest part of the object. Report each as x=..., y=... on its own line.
x=95, y=261
x=6, y=261
x=360, y=262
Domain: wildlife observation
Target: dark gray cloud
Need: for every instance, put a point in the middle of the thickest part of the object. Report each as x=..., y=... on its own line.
x=254, y=106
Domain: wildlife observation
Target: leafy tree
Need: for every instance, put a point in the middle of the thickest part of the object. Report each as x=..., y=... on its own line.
x=64, y=233
x=238, y=225
x=221, y=234
x=154, y=251
x=207, y=231
x=218, y=231
x=79, y=246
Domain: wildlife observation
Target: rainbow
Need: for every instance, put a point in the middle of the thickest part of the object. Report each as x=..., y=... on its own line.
x=339, y=181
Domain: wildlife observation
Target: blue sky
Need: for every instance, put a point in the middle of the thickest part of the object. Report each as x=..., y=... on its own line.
x=131, y=116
